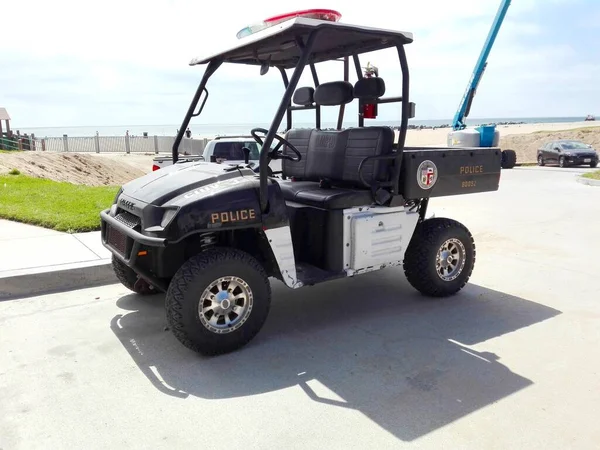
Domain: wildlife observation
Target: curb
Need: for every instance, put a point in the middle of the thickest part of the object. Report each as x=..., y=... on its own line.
x=587, y=181
x=57, y=279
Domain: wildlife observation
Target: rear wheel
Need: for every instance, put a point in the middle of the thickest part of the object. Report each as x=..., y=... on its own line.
x=130, y=279
x=218, y=301
x=594, y=164
x=440, y=257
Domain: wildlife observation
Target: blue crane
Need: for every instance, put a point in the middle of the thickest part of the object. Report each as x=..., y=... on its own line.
x=465, y=104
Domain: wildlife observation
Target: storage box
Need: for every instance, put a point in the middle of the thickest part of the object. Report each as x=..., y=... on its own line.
x=437, y=172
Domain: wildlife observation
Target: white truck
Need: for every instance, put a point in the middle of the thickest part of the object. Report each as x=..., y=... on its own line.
x=222, y=149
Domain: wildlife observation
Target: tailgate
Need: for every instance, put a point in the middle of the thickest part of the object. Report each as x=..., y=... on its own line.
x=438, y=172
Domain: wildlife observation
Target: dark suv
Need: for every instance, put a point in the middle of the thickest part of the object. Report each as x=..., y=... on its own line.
x=567, y=153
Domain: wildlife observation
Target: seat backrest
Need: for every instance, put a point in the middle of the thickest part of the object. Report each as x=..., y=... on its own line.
x=336, y=155
x=304, y=96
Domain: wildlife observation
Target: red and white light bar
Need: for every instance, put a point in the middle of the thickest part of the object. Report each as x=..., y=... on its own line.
x=319, y=14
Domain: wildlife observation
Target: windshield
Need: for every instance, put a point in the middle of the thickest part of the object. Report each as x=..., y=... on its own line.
x=574, y=145
x=232, y=151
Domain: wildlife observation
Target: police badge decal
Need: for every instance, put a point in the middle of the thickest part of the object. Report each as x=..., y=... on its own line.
x=427, y=174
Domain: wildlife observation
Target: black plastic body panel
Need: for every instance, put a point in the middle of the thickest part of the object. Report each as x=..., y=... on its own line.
x=317, y=236
x=457, y=171
x=229, y=203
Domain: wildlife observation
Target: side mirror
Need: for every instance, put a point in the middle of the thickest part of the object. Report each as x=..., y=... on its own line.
x=557, y=149
x=246, y=151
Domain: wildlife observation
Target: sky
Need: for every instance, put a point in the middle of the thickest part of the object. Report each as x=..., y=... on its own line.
x=126, y=62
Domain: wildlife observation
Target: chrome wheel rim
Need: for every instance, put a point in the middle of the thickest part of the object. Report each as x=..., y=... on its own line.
x=225, y=305
x=450, y=260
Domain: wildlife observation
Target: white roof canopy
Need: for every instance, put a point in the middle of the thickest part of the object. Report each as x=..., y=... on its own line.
x=280, y=43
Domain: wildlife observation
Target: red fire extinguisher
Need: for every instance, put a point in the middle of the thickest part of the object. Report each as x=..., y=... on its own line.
x=369, y=110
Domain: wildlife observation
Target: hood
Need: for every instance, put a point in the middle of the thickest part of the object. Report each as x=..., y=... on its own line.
x=167, y=183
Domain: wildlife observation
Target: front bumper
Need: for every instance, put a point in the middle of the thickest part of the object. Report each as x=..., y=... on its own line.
x=123, y=240
x=127, y=244
x=580, y=160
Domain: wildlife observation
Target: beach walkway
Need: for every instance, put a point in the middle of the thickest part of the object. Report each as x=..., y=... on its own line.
x=35, y=259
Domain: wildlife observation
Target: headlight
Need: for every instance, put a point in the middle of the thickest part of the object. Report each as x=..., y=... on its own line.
x=568, y=154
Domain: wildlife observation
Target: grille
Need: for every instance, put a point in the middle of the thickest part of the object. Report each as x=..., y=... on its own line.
x=128, y=219
x=117, y=240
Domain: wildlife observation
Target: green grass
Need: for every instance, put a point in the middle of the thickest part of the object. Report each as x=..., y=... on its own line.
x=51, y=204
x=593, y=175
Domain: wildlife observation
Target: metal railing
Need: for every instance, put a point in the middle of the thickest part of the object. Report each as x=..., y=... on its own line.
x=16, y=142
x=103, y=144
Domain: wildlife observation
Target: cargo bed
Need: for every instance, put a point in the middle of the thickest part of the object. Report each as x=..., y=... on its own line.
x=440, y=171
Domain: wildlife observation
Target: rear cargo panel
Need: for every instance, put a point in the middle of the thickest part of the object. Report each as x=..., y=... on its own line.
x=437, y=172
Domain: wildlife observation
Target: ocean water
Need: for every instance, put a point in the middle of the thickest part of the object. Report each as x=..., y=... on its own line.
x=210, y=130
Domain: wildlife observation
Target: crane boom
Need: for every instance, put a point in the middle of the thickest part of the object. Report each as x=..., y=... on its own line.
x=465, y=103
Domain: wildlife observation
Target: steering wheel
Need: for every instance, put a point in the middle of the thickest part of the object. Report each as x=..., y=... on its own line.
x=276, y=153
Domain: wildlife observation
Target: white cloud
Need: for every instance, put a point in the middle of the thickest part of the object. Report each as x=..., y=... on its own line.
x=123, y=62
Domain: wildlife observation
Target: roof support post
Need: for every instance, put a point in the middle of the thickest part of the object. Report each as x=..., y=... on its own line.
x=286, y=82
x=340, y=121
x=315, y=77
x=359, y=75
x=283, y=107
x=210, y=70
x=405, y=96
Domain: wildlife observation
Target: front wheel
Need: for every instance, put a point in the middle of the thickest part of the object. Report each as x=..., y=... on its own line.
x=218, y=301
x=130, y=279
x=440, y=257
x=561, y=161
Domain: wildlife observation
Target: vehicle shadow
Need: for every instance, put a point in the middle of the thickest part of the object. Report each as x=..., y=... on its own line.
x=378, y=346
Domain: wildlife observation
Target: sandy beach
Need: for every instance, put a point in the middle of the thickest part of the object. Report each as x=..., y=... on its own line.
x=119, y=168
x=429, y=137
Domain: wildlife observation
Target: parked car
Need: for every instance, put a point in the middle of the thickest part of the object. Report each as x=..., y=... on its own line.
x=223, y=149
x=567, y=153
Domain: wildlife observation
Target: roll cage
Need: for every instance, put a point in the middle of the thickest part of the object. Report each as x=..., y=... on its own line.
x=295, y=44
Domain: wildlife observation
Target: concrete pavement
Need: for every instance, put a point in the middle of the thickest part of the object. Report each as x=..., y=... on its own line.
x=351, y=364
x=35, y=260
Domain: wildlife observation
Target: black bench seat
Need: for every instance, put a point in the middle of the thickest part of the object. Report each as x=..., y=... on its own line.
x=327, y=175
x=309, y=193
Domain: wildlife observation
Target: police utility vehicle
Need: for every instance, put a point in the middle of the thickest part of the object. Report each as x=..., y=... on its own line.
x=346, y=201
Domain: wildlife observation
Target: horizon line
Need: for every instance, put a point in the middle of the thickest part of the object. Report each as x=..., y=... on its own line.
x=250, y=124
